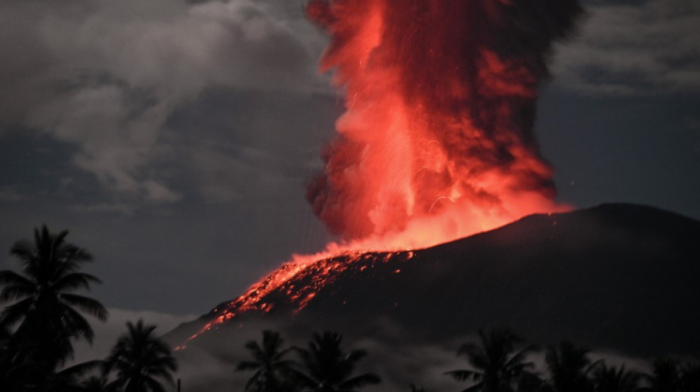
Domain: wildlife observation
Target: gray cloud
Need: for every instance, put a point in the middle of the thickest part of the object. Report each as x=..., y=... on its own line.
x=637, y=47
x=9, y=194
x=227, y=177
x=105, y=76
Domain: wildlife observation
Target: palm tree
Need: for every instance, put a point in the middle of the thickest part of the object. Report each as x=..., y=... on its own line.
x=271, y=368
x=531, y=382
x=496, y=367
x=69, y=379
x=96, y=384
x=46, y=307
x=614, y=379
x=665, y=376
x=140, y=360
x=569, y=367
x=326, y=368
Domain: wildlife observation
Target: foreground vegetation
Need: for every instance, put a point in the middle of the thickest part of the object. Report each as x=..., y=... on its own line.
x=498, y=362
x=45, y=316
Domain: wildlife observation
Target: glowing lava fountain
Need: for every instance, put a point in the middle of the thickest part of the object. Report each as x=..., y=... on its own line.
x=437, y=142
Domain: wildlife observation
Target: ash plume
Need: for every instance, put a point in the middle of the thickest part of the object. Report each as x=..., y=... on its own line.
x=439, y=128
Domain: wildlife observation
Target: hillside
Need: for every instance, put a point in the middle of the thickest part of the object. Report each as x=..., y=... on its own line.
x=616, y=276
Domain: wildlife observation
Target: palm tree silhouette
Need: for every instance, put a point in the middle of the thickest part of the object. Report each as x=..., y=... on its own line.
x=613, y=379
x=69, y=379
x=569, y=367
x=140, y=360
x=326, y=368
x=272, y=370
x=96, y=384
x=496, y=367
x=531, y=382
x=665, y=376
x=46, y=307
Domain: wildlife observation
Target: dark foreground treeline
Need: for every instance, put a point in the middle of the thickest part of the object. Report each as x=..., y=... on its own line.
x=497, y=362
x=44, y=316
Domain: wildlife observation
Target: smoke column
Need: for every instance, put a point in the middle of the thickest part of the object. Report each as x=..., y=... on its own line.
x=437, y=141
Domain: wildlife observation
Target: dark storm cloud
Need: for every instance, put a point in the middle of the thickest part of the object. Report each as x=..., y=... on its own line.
x=634, y=47
x=105, y=76
x=113, y=111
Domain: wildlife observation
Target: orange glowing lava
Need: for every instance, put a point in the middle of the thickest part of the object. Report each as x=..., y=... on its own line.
x=437, y=141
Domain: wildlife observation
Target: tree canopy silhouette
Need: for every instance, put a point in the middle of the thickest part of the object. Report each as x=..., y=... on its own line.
x=496, y=366
x=616, y=379
x=141, y=360
x=665, y=376
x=272, y=369
x=46, y=308
x=569, y=367
x=327, y=368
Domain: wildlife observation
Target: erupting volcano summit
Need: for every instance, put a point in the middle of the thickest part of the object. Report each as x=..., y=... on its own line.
x=437, y=142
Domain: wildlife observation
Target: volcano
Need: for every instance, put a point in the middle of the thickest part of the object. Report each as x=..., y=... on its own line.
x=615, y=276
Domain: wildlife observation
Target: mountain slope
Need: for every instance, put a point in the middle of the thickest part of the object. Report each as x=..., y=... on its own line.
x=617, y=276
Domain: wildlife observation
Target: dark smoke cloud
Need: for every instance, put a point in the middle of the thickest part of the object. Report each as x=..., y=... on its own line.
x=107, y=76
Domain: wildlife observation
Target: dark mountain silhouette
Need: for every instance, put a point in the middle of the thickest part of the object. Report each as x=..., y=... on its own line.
x=617, y=276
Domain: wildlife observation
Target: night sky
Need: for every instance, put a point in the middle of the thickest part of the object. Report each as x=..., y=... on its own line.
x=174, y=139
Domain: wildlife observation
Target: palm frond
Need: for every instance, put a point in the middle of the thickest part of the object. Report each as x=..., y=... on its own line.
x=23, y=250
x=253, y=381
x=14, y=313
x=166, y=361
x=461, y=375
x=255, y=349
x=11, y=293
x=80, y=369
x=474, y=388
x=154, y=386
x=12, y=278
x=517, y=359
x=77, y=325
x=593, y=366
x=302, y=378
x=86, y=304
x=356, y=355
x=76, y=255
x=163, y=373
x=75, y=281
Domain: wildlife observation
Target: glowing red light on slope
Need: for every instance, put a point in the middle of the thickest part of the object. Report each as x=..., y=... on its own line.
x=322, y=269
x=437, y=142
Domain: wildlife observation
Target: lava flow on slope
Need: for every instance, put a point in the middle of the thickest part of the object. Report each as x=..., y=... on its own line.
x=437, y=141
